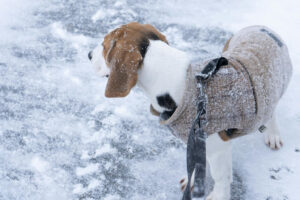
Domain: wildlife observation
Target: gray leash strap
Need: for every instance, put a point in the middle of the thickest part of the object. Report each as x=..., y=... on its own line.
x=196, y=154
x=196, y=145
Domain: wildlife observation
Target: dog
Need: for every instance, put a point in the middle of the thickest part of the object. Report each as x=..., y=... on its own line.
x=138, y=54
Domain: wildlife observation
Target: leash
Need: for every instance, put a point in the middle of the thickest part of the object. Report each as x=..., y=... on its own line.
x=196, y=145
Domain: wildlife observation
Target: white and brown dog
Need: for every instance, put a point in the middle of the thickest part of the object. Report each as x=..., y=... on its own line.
x=137, y=54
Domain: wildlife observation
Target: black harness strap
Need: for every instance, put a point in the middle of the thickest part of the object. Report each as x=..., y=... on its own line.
x=196, y=145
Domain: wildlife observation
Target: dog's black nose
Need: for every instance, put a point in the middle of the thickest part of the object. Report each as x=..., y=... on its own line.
x=90, y=55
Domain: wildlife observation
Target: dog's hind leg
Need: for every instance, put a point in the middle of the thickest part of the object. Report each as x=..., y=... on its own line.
x=219, y=156
x=272, y=134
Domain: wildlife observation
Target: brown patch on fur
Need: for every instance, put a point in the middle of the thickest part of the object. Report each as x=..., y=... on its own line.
x=122, y=55
x=226, y=45
x=233, y=133
x=153, y=111
x=224, y=136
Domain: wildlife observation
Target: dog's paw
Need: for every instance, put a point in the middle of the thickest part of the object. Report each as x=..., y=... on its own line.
x=273, y=140
x=183, y=183
x=216, y=195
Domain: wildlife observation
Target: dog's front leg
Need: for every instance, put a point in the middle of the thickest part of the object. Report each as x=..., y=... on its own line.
x=272, y=134
x=219, y=157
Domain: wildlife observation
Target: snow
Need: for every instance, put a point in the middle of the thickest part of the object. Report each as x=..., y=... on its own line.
x=60, y=138
x=80, y=171
x=39, y=164
x=101, y=14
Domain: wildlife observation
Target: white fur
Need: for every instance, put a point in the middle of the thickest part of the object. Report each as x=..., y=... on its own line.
x=219, y=157
x=272, y=134
x=99, y=62
x=163, y=71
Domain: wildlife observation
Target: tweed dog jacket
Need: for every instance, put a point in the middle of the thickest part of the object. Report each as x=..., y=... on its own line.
x=242, y=95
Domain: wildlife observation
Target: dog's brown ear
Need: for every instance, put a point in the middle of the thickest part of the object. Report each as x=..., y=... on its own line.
x=123, y=73
x=123, y=50
x=156, y=32
x=123, y=58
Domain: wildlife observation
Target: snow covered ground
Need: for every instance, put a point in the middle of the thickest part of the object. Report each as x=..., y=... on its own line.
x=61, y=139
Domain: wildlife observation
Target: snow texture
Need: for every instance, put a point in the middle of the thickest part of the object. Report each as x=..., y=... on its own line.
x=61, y=139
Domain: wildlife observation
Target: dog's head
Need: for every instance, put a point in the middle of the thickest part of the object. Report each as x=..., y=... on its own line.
x=121, y=55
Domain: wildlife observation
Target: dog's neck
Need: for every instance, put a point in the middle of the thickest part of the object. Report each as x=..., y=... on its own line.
x=163, y=75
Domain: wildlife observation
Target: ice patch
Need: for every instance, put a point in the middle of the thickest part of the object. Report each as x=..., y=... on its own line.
x=76, y=40
x=119, y=3
x=112, y=197
x=85, y=155
x=99, y=108
x=110, y=120
x=73, y=78
x=103, y=13
x=175, y=35
x=107, y=166
x=106, y=148
x=123, y=112
x=93, y=184
x=78, y=189
x=91, y=168
x=39, y=164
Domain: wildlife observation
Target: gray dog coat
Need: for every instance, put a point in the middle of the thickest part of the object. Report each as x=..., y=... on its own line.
x=242, y=95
